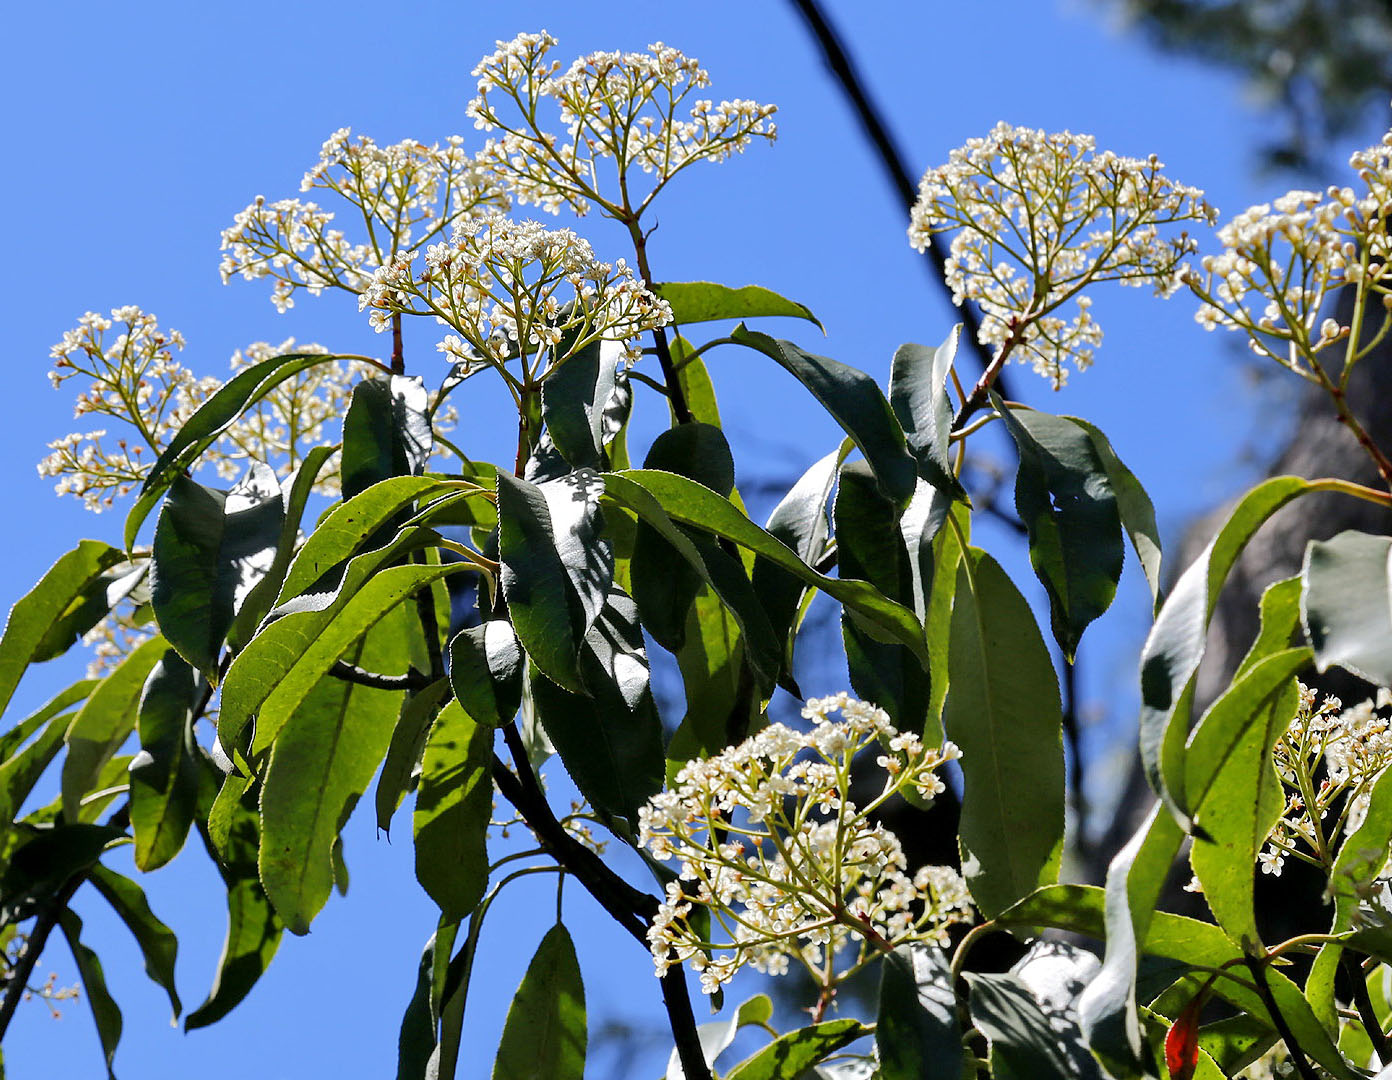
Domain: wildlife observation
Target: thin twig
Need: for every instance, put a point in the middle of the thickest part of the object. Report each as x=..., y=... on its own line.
x=1364, y=1003
x=412, y=680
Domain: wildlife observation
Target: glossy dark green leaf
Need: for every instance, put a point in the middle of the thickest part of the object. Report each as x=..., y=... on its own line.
x=262, y=596
x=104, y=1009
x=453, y=805
x=916, y=1029
x=573, y=399
x=697, y=451
x=1346, y=605
x=611, y=741
x=202, y=429
x=46, y=859
x=854, y=402
x=158, y=945
x=706, y=301
x=90, y=606
x=404, y=752
x=486, y=666
x=552, y=572
x=722, y=703
x=1065, y=499
x=22, y=768
x=253, y=928
x=322, y=761
x=545, y=1032
x=1003, y=710
x=663, y=498
x=1134, y=505
x=790, y=1055
x=918, y=395
x=1024, y=1045
x=104, y=722
x=1170, y=658
x=166, y=776
x=385, y=432
x=211, y=548
x=45, y=604
x=288, y=658
x=417, y=1040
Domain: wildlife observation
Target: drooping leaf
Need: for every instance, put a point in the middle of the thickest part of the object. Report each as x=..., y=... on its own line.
x=790, y=1055
x=918, y=394
x=104, y=722
x=695, y=382
x=1003, y=710
x=417, y=1040
x=545, y=1032
x=405, y=749
x=573, y=399
x=1346, y=605
x=385, y=432
x=1171, y=655
x=105, y=1011
x=611, y=741
x=166, y=776
x=51, y=856
x=322, y=761
x=1064, y=497
x=44, y=605
x=855, y=402
x=90, y=606
x=22, y=768
x=157, y=942
x=722, y=702
x=706, y=301
x=486, y=668
x=453, y=805
x=946, y=553
x=254, y=929
x=916, y=1029
x=211, y=548
x=1024, y=1045
x=202, y=429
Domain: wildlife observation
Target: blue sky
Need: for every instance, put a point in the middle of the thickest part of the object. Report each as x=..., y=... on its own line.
x=137, y=131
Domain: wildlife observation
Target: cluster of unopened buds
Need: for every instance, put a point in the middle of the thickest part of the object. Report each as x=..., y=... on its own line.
x=1281, y=262
x=1038, y=217
x=1327, y=759
x=768, y=842
x=623, y=107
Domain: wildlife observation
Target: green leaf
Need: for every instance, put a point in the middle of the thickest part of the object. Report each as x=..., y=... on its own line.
x=104, y=722
x=417, y=1040
x=486, y=672
x=46, y=604
x=1134, y=505
x=662, y=498
x=705, y=301
x=1003, y=710
x=287, y=659
x=453, y=805
x=322, y=761
x=573, y=399
x=213, y=417
x=869, y=546
x=554, y=572
x=1065, y=499
x=385, y=432
x=1346, y=610
x=262, y=595
x=1170, y=658
x=544, y=1035
x=722, y=703
x=916, y=1030
x=157, y=942
x=1232, y=786
x=254, y=929
x=611, y=741
x=790, y=1055
x=90, y=606
x=210, y=549
x=40, y=867
x=945, y=554
x=1024, y=1045
x=695, y=382
x=1280, y=622
x=854, y=402
x=918, y=394
x=22, y=732
x=165, y=778
x=697, y=451
x=21, y=770
x=105, y=1011
x=407, y=745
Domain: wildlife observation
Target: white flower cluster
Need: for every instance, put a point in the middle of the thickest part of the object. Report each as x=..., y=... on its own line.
x=406, y=194
x=767, y=841
x=135, y=381
x=1354, y=746
x=1037, y=217
x=625, y=107
x=1282, y=260
x=508, y=288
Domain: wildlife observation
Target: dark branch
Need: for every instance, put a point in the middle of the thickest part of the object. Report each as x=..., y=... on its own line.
x=412, y=680
x=839, y=61
x=1297, y=1055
